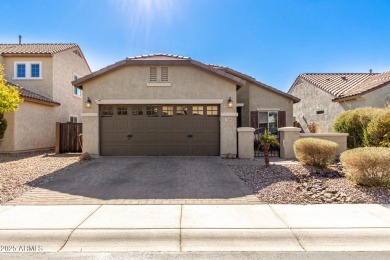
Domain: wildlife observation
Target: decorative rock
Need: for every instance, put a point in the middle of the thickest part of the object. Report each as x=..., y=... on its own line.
x=85, y=157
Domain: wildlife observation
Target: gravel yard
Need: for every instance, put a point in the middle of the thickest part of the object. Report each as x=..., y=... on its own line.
x=23, y=171
x=297, y=184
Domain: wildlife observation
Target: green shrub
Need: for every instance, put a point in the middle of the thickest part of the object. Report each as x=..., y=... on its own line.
x=316, y=152
x=378, y=130
x=367, y=166
x=3, y=127
x=355, y=122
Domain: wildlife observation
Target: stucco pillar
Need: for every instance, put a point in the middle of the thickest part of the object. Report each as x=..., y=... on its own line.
x=91, y=133
x=288, y=135
x=228, y=137
x=246, y=142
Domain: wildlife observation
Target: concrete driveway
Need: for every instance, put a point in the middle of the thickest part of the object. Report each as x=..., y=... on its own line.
x=143, y=180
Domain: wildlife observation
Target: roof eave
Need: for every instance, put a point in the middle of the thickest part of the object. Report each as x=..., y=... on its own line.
x=27, y=55
x=128, y=62
x=42, y=102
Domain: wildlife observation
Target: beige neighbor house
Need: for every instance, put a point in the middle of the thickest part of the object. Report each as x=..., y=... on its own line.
x=325, y=95
x=44, y=72
x=164, y=104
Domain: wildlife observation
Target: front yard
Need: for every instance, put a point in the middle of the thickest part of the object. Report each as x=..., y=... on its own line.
x=21, y=172
x=297, y=184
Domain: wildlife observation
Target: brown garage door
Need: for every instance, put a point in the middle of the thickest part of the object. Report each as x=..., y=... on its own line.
x=142, y=130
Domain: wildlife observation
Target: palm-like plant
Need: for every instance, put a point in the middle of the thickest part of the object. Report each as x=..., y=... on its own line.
x=266, y=141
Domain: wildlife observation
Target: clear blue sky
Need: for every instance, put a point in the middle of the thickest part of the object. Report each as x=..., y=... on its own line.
x=272, y=41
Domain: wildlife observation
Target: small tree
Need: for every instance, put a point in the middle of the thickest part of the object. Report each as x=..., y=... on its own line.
x=9, y=100
x=266, y=141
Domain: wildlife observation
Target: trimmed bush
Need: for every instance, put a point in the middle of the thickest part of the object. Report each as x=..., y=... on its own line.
x=367, y=166
x=355, y=122
x=378, y=130
x=315, y=152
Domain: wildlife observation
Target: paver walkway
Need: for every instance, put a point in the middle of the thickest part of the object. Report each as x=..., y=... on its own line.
x=143, y=180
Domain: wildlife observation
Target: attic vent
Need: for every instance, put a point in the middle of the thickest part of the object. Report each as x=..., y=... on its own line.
x=164, y=74
x=77, y=52
x=343, y=77
x=153, y=74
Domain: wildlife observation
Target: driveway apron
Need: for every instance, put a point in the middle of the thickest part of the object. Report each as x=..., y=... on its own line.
x=143, y=180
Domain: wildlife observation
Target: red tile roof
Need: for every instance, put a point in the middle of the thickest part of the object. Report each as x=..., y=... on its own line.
x=34, y=97
x=370, y=84
x=254, y=81
x=36, y=48
x=158, y=56
x=336, y=83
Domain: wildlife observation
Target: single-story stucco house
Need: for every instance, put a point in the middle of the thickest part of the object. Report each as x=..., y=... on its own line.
x=43, y=72
x=325, y=95
x=164, y=104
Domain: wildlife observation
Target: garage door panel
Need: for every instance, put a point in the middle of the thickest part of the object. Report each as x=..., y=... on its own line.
x=159, y=136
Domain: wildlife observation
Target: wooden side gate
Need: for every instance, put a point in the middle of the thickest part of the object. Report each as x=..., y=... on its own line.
x=68, y=138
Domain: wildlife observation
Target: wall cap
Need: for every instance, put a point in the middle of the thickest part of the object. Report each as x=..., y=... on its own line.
x=289, y=129
x=322, y=134
x=246, y=129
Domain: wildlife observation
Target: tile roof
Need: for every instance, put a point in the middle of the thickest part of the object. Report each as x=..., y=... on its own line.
x=370, y=84
x=336, y=84
x=254, y=81
x=32, y=96
x=36, y=48
x=158, y=56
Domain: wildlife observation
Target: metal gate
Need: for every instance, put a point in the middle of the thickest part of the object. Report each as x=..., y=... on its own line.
x=274, y=150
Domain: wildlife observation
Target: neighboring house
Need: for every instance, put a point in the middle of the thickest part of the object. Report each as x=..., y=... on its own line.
x=44, y=73
x=325, y=95
x=163, y=104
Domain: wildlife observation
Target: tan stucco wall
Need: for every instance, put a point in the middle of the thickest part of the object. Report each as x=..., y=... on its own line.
x=65, y=65
x=42, y=86
x=33, y=128
x=261, y=98
x=313, y=99
x=187, y=82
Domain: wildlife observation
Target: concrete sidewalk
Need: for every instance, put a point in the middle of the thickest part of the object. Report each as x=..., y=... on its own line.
x=182, y=228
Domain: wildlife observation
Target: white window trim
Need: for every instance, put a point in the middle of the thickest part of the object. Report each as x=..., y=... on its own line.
x=28, y=70
x=78, y=76
x=75, y=117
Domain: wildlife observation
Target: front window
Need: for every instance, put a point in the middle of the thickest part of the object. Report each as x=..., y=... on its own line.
x=77, y=91
x=73, y=119
x=268, y=120
x=35, y=70
x=28, y=70
x=21, y=70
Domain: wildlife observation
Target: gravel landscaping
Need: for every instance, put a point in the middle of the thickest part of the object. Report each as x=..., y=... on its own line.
x=297, y=184
x=23, y=171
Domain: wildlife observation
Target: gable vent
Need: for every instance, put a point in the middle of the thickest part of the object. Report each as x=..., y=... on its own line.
x=164, y=74
x=153, y=74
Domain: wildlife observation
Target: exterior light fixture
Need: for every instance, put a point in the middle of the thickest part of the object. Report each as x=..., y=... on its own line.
x=88, y=103
x=230, y=103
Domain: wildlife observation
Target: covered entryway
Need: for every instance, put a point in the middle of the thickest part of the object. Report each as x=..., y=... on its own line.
x=159, y=130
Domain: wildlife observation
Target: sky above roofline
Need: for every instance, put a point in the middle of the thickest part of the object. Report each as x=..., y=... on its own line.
x=272, y=41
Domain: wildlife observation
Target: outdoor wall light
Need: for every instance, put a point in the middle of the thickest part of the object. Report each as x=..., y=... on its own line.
x=230, y=102
x=88, y=103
